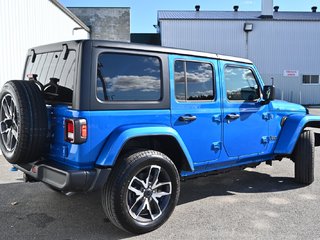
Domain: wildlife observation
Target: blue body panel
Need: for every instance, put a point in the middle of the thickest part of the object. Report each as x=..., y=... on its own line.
x=202, y=137
x=101, y=126
x=121, y=135
x=291, y=131
x=243, y=137
x=64, y=152
x=209, y=143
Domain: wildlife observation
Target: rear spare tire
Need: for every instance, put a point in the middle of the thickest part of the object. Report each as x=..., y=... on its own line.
x=23, y=122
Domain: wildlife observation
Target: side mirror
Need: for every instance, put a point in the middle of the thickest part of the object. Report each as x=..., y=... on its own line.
x=268, y=93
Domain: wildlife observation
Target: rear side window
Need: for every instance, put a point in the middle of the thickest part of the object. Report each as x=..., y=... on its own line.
x=52, y=65
x=127, y=77
x=193, y=81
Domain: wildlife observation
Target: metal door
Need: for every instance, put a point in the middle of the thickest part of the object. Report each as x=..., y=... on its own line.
x=195, y=108
x=245, y=118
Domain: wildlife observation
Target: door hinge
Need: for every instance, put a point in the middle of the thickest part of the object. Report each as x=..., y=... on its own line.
x=267, y=116
x=216, y=146
x=264, y=139
x=216, y=118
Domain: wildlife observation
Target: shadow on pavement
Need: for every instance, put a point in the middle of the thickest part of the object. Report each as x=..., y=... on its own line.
x=33, y=211
x=233, y=182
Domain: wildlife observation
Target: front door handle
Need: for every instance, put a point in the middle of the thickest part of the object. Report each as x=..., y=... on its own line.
x=232, y=116
x=187, y=118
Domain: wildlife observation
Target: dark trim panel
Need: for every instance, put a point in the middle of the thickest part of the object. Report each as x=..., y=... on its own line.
x=317, y=139
x=64, y=179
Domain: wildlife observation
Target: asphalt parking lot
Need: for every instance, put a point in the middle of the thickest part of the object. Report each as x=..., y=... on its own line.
x=259, y=203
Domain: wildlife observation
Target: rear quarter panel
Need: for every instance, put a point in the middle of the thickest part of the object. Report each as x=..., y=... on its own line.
x=100, y=125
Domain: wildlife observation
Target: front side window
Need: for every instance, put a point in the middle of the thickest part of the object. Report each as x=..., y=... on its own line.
x=193, y=81
x=126, y=77
x=241, y=84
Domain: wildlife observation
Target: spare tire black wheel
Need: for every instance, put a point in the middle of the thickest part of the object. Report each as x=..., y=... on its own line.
x=23, y=122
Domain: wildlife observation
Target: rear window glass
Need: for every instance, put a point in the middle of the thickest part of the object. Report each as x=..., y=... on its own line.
x=127, y=77
x=52, y=65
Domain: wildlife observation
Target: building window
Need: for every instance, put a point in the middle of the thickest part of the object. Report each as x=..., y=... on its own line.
x=241, y=84
x=310, y=79
x=193, y=81
x=126, y=77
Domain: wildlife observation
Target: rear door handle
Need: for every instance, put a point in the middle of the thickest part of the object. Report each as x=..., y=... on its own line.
x=232, y=116
x=187, y=118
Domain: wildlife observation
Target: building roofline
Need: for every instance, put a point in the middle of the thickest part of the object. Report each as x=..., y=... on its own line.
x=71, y=15
x=240, y=19
x=231, y=15
x=102, y=7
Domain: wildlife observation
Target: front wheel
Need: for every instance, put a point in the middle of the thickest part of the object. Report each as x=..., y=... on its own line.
x=142, y=192
x=303, y=157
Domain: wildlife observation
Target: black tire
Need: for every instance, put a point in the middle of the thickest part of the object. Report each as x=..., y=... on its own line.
x=121, y=204
x=303, y=158
x=23, y=122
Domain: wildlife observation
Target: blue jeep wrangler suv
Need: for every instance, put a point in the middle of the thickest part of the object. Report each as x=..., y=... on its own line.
x=133, y=120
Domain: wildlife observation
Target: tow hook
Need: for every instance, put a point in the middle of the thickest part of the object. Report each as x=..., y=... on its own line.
x=27, y=178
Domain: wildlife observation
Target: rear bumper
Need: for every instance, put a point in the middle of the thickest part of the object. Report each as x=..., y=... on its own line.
x=64, y=179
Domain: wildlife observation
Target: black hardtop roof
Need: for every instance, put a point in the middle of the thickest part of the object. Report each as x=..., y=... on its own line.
x=133, y=46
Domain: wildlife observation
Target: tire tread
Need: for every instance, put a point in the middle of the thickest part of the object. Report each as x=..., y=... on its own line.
x=304, y=158
x=121, y=170
x=32, y=122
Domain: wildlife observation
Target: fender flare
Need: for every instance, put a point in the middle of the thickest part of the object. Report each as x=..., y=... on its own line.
x=120, y=136
x=291, y=130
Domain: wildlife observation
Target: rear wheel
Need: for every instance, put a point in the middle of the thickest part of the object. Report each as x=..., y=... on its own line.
x=23, y=122
x=303, y=158
x=142, y=192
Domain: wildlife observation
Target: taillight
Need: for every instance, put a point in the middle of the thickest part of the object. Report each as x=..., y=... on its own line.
x=76, y=130
x=70, y=130
x=84, y=131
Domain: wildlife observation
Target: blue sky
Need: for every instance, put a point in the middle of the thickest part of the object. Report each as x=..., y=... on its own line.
x=144, y=12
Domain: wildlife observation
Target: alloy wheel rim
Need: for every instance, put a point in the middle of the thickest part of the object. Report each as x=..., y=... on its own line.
x=149, y=193
x=8, y=123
